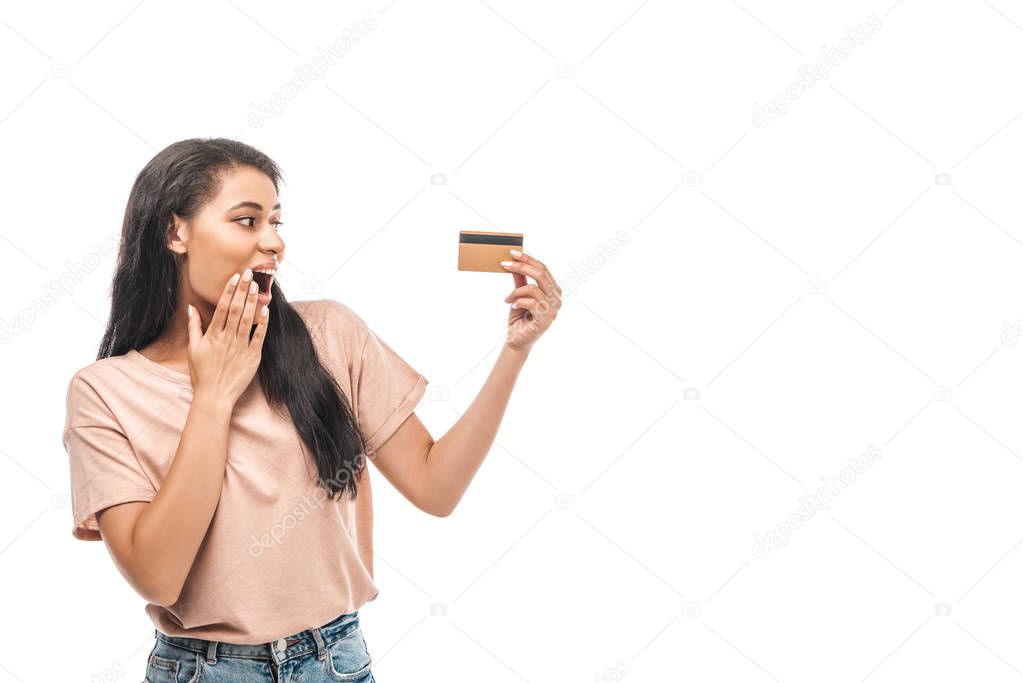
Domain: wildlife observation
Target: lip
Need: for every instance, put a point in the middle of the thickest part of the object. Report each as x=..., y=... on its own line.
x=266, y=265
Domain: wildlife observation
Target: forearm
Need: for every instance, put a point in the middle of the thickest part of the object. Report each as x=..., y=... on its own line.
x=170, y=531
x=454, y=459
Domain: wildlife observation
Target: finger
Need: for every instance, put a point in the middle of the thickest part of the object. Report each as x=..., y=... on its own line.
x=262, y=321
x=245, y=325
x=194, y=327
x=523, y=257
x=542, y=277
x=234, y=314
x=220, y=314
x=524, y=302
x=519, y=279
x=526, y=290
x=530, y=304
x=532, y=260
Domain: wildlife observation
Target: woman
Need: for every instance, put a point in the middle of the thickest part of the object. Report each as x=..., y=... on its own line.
x=218, y=444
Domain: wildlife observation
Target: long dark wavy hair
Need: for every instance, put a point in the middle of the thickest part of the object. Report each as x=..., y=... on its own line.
x=181, y=179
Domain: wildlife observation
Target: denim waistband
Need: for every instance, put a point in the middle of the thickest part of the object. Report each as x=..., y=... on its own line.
x=311, y=640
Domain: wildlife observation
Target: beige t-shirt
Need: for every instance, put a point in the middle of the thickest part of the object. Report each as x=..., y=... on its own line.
x=279, y=556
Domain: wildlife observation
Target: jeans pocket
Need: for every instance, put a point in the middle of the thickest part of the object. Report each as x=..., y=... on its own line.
x=348, y=658
x=169, y=664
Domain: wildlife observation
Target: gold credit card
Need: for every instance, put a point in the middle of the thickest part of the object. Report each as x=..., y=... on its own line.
x=484, y=251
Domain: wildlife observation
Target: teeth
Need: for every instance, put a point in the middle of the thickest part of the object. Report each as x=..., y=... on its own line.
x=266, y=271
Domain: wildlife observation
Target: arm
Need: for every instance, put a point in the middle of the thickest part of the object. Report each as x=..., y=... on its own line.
x=433, y=475
x=154, y=544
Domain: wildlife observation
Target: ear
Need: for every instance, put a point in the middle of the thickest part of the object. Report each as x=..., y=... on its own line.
x=177, y=235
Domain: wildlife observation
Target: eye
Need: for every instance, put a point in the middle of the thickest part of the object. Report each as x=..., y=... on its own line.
x=277, y=224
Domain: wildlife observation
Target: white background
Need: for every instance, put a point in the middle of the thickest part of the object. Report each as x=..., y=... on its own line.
x=746, y=308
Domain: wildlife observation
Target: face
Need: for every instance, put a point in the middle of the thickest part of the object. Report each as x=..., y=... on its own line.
x=236, y=230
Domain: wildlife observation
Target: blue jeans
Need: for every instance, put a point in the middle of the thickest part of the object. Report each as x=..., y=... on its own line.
x=335, y=651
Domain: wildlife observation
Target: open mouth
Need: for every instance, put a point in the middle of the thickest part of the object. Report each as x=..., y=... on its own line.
x=264, y=281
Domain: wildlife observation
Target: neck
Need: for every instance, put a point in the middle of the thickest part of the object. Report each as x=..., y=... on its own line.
x=172, y=345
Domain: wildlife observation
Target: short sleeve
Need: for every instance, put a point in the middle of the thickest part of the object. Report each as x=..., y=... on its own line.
x=104, y=468
x=386, y=388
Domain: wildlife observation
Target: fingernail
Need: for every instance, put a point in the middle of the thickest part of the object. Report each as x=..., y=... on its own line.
x=234, y=279
x=253, y=287
x=248, y=274
x=506, y=263
x=516, y=253
x=189, y=310
x=515, y=305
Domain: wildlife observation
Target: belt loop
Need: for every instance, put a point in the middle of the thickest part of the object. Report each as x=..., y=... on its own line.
x=211, y=652
x=321, y=648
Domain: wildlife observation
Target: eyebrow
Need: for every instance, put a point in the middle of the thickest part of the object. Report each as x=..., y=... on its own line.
x=253, y=205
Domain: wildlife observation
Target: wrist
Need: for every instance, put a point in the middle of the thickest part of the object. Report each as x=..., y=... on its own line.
x=518, y=353
x=212, y=403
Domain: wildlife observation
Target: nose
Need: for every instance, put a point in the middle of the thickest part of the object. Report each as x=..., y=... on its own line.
x=274, y=249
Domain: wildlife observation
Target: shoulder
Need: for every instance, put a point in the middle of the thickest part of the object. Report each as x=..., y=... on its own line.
x=319, y=308
x=101, y=373
x=89, y=387
x=336, y=329
x=328, y=314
